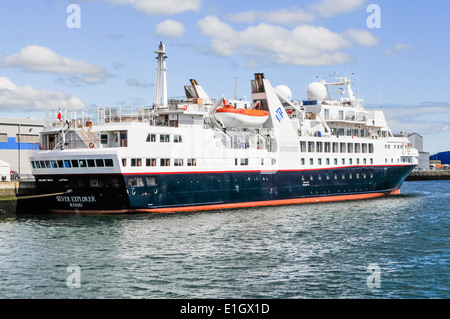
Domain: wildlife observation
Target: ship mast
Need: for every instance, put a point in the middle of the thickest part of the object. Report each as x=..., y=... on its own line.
x=161, y=80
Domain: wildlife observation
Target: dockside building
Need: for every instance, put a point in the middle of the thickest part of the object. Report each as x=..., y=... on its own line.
x=18, y=136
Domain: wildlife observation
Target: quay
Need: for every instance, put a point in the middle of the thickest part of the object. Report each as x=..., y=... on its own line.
x=14, y=195
x=8, y=190
x=12, y=190
x=429, y=175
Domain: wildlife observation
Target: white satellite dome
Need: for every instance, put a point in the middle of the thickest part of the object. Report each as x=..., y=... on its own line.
x=284, y=91
x=316, y=91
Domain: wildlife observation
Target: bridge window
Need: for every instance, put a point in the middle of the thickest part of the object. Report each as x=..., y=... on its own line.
x=191, y=162
x=164, y=138
x=364, y=148
x=302, y=147
x=136, y=162
x=150, y=162
x=74, y=163
x=99, y=162
x=109, y=162
x=91, y=163
x=177, y=139
x=350, y=148
x=244, y=161
x=164, y=162
x=82, y=163
x=123, y=138
x=319, y=147
x=151, y=138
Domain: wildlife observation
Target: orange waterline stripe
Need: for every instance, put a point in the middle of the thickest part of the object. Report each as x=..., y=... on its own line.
x=309, y=200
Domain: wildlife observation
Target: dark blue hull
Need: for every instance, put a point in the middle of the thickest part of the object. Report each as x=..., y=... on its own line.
x=183, y=191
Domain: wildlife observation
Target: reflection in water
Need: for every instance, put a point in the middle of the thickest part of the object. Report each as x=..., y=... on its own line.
x=301, y=251
x=7, y=208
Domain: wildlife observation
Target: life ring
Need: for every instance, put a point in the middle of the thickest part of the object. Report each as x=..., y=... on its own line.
x=91, y=145
x=185, y=107
x=41, y=147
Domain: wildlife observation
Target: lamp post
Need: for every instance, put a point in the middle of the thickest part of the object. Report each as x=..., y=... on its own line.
x=19, y=150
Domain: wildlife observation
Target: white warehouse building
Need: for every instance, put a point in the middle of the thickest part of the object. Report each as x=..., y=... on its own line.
x=18, y=136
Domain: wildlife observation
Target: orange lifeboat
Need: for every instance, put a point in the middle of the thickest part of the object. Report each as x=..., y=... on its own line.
x=240, y=117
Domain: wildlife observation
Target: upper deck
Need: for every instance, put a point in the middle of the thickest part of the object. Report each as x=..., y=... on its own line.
x=307, y=129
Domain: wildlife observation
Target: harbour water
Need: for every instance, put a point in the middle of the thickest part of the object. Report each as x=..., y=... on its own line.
x=395, y=247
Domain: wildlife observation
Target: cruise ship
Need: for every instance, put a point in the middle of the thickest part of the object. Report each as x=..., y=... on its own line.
x=197, y=153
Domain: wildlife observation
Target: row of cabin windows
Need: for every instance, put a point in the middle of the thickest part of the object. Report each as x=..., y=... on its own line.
x=336, y=176
x=404, y=160
x=347, y=132
x=164, y=138
x=356, y=161
x=396, y=146
x=139, y=162
x=74, y=163
x=335, y=147
x=151, y=181
x=244, y=161
x=354, y=132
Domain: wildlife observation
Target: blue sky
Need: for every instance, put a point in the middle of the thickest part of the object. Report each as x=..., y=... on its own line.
x=403, y=65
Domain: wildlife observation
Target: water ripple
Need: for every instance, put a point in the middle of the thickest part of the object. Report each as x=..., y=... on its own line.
x=302, y=251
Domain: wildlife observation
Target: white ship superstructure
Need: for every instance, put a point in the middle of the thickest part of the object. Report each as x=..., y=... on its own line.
x=199, y=153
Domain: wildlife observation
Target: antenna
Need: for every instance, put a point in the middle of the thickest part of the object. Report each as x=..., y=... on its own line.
x=235, y=88
x=379, y=96
x=334, y=75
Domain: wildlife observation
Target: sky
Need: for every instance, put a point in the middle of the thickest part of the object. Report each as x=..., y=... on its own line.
x=80, y=55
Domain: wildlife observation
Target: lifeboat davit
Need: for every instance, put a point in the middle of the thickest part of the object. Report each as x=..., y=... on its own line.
x=241, y=118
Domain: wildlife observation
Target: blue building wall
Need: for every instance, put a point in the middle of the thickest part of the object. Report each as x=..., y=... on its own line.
x=444, y=157
x=13, y=145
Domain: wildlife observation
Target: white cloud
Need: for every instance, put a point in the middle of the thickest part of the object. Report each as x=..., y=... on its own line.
x=282, y=17
x=304, y=45
x=35, y=58
x=154, y=7
x=169, y=29
x=27, y=98
x=418, y=118
x=398, y=48
x=136, y=83
x=329, y=8
x=362, y=37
